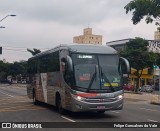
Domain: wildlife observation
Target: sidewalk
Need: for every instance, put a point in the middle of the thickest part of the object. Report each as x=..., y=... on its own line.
x=150, y=97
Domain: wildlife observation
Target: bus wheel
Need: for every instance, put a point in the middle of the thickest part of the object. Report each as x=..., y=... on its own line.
x=101, y=112
x=59, y=105
x=35, y=102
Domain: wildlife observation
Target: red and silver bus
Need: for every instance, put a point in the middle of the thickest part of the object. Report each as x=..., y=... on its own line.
x=78, y=77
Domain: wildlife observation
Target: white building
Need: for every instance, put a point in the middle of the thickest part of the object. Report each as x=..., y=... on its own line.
x=154, y=45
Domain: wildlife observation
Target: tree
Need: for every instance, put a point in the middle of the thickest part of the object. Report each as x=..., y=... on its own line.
x=34, y=51
x=136, y=52
x=144, y=8
x=4, y=69
x=12, y=69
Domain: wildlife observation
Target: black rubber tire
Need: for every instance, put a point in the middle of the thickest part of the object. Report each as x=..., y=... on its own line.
x=101, y=112
x=59, y=105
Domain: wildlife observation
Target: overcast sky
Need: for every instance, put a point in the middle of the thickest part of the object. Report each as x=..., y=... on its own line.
x=44, y=24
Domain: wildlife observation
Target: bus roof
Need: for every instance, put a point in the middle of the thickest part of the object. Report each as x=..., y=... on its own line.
x=82, y=48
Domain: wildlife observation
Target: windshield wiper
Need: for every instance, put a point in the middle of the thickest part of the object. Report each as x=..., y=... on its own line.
x=93, y=77
x=106, y=79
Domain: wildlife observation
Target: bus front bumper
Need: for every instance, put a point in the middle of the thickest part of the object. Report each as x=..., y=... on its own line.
x=82, y=106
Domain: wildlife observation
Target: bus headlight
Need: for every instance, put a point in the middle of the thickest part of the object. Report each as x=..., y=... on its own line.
x=79, y=98
x=120, y=97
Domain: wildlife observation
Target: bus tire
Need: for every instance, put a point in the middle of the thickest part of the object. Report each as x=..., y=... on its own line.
x=101, y=112
x=35, y=102
x=59, y=104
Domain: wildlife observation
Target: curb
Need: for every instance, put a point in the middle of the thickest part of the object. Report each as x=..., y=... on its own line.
x=155, y=100
x=155, y=103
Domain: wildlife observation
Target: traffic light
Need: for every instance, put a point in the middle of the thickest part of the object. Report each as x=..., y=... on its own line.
x=0, y=50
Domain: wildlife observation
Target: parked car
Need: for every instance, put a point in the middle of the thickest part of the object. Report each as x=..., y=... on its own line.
x=128, y=87
x=146, y=88
x=23, y=81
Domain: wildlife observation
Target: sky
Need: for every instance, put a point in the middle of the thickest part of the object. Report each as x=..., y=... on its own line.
x=44, y=24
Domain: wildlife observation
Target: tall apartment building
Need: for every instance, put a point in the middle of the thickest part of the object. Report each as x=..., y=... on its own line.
x=88, y=37
x=157, y=35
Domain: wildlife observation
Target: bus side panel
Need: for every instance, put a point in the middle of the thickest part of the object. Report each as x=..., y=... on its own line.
x=39, y=89
x=68, y=98
x=51, y=95
x=53, y=86
x=47, y=84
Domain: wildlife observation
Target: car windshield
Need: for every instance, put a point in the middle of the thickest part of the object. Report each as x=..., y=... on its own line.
x=96, y=73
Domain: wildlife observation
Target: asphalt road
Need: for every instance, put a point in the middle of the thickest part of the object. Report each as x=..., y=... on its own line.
x=16, y=107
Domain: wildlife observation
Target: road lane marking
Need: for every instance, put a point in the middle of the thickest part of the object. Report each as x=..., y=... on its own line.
x=115, y=112
x=6, y=94
x=68, y=119
x=147, y=109
x=152, y=120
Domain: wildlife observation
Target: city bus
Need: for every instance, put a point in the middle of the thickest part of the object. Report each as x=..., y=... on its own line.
x=78, y=78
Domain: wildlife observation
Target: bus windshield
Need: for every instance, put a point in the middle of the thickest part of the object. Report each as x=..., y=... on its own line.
x=96, y=73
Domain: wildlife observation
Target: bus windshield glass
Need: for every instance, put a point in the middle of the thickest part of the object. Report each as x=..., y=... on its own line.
x=96, y=73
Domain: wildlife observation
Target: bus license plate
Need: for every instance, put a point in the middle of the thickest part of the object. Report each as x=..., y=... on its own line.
x=101, y=107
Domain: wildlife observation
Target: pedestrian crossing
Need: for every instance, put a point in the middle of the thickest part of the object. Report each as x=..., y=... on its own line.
x=18, y=103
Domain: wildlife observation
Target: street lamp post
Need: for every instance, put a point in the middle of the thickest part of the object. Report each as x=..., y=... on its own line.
x=4, y=27
x=6, y=17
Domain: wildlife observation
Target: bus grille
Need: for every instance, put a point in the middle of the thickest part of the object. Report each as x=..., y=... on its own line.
x=101, y=100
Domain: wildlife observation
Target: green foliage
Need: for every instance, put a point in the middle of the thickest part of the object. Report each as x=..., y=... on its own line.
x=136, y=52
x=158, y=59
x=144, y=8
x=34, y=51
x=13, y=69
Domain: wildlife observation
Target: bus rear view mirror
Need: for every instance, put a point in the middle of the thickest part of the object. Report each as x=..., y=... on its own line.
x=124, y=67
x=69, y=63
